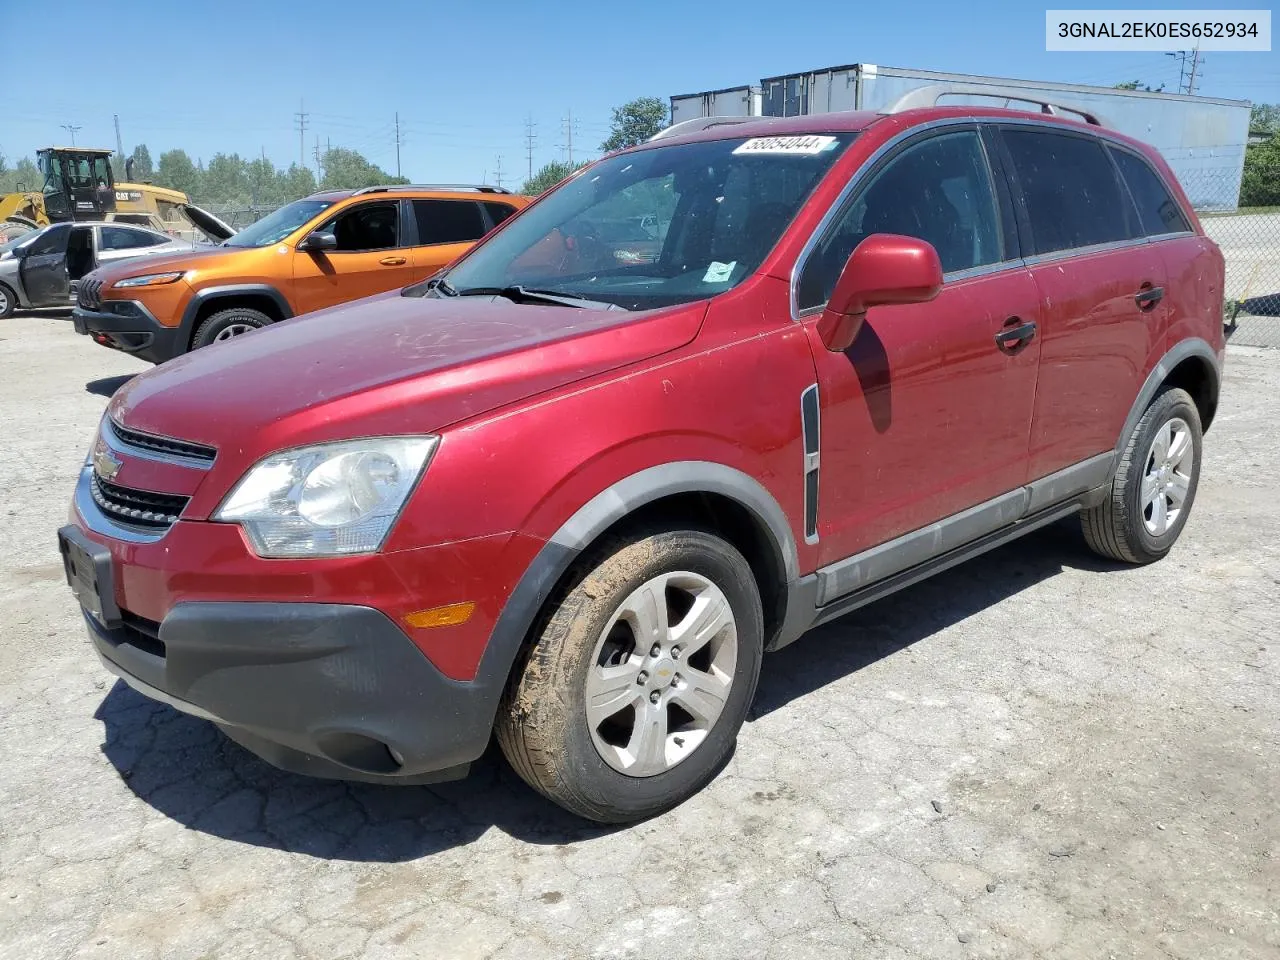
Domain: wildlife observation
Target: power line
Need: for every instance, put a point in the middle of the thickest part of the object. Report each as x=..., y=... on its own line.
x=568, y=131
x=398, y=141
x=529, y=137
x=498, y=171
x=72, y=128
x=1188, y=79
x=300, y=120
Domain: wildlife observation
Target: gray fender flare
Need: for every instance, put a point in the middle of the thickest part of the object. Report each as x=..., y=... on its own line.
x=596, y=516
x=201, y=297
x=1191, y=347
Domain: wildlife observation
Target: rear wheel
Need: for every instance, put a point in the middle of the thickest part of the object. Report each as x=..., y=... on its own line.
x=8, y=301
x=1154, y=485
x=227, y=324
x=633, y=692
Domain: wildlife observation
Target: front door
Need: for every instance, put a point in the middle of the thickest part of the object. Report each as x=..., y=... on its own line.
x=369, y=258
x=928, y=413
x=44, y=268
x=1101, y=285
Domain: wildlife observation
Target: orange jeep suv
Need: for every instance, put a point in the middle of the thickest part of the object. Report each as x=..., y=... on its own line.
x=323, y=250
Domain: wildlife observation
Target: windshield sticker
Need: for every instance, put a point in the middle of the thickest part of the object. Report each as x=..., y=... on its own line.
x=719, y=272
x=793, y=145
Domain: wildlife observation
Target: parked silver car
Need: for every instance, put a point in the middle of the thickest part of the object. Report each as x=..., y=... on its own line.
x=42, y=268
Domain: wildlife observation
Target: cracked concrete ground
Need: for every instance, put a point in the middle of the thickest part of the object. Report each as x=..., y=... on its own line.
x=1034, y=755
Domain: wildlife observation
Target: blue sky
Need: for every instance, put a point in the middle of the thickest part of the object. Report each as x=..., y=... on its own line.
x=229, y=75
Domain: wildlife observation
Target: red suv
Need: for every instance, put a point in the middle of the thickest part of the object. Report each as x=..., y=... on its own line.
x=571, y=495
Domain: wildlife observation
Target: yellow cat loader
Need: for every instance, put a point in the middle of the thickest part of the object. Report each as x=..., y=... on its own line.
x=80, y=185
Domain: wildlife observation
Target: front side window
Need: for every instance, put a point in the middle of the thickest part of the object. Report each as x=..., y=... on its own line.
x=122, y=238
x=1157, y=210
x=663, y=225
x=938, y=190
x=1073, y=198
x=52, y=240
x=448, y=221
x=279, y=224
x=369, y=226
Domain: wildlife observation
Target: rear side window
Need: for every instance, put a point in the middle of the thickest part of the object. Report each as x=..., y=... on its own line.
x=122, y=238
x=1072, y=194
x=937, y=190
x=448, y=221
x=499, y=211
x=1157, y=209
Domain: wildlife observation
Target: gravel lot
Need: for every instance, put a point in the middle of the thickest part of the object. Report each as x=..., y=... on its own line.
x=1033, y=755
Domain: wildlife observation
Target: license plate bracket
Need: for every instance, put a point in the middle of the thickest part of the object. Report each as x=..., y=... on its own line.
x=89, y=574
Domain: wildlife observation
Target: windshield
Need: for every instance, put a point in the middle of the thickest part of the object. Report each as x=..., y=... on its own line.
x=665, y=225
x=274, y=227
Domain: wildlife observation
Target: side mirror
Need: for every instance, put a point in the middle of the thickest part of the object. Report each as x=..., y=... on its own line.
x=318, y=241
x=884, y=269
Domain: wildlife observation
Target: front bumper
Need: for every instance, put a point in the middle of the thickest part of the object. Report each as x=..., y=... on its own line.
x=322, y=689
x=129, y=326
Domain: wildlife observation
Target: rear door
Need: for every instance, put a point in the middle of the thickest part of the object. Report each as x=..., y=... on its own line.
x=1101, y=286
x=117, y=242
x=926, y=414
x=370, y=257
x=445, y=230
x=44, y=268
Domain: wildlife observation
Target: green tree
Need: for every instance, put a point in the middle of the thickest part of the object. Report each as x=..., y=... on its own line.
x=548, y=177
x=347, y=170
x=177, y=172
x=635, y=122
x=297, y=182
x=1139, y=85
x=1260, y=185
x=226, y=180
x=142, y=168
x=1265, y=118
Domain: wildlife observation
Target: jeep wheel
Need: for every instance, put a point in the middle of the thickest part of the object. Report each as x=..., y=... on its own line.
x=8, y=301
x=226, y=324
x=1154, y=485
x=633, y=691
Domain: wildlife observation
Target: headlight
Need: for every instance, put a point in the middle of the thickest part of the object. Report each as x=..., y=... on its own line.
x=150, y=280
x=327, y=500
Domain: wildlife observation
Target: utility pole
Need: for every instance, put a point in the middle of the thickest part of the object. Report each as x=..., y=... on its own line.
x=498, y=172
x=1187, y=83
x=119, y=143
x=397, y=144
x=71, y=128
x=318, y=175
x=568, y=126
x=529, y=137
x=1195, y=64
x=300, y=120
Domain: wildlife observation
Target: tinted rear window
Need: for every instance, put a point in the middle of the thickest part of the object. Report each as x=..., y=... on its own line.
x=1072, y=194
x=1157, y=209
x=499, y=211
x=448, y=221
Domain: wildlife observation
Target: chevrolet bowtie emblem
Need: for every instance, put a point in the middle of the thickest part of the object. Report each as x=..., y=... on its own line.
x=105, y=463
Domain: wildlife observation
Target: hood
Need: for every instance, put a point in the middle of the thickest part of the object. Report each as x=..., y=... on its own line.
x=188, y=259
x=204, y=221
x=387, y=365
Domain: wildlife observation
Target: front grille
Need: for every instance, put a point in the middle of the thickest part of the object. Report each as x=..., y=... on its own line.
x=163, y=445
x=90, y=294
x=137, y=508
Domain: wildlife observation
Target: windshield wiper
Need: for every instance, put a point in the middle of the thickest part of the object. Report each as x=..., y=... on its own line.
x=519, y=294
x=437, y=285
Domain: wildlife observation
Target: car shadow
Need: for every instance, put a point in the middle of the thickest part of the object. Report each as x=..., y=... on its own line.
x=107, y=386
x=187, y=770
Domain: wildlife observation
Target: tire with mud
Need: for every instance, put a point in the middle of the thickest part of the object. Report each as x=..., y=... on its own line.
x=631, y=694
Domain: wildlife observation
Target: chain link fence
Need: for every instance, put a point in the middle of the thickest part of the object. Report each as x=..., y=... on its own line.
x=1250, y=240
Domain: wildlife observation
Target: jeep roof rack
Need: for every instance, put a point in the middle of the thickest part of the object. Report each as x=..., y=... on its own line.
x=460, y=187
x=929, y=96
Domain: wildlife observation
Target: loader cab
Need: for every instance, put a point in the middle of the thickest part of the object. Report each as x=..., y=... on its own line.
x=78, y=183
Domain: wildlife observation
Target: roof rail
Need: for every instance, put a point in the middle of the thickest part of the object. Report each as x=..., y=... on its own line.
x=460, y=187
x=697, y=124
x=929, y=96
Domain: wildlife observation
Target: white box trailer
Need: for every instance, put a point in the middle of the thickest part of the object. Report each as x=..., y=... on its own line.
x=1202, y=138
x=730, y=102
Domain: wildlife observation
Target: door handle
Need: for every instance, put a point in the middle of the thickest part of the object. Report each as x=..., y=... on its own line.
x=1148, y=296
x=1015, y=334
x=393, y=261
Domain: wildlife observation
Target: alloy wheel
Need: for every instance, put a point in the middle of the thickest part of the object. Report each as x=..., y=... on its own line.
x=661, y=673
x=232, y=330
x=1167, y=478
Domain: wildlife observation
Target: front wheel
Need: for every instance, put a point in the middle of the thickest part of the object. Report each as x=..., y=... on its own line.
x=1154, y=484
x=8, y=302
x=227, y=324
x=633, y=692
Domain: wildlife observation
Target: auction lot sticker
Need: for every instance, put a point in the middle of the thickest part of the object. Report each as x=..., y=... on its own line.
x=802, y=145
